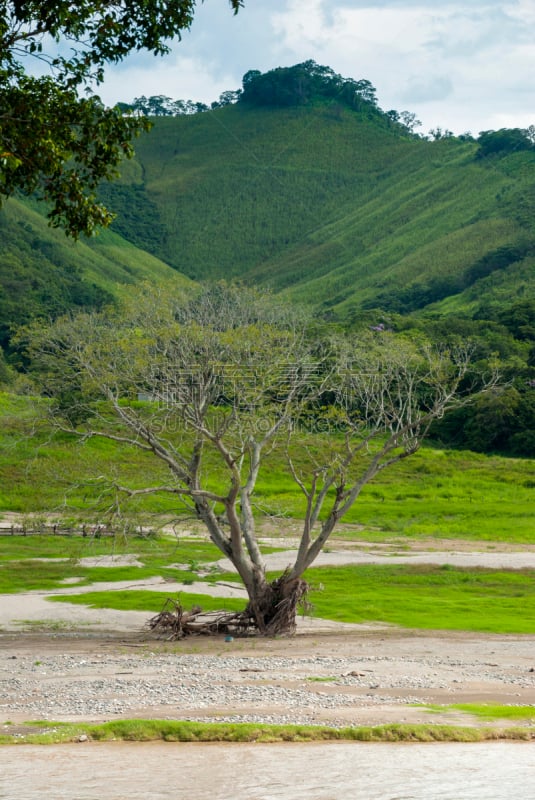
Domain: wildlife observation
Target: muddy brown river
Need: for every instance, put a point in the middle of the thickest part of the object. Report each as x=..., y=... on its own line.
x=334, y=771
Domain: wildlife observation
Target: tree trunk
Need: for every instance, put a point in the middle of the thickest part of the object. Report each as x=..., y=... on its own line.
x=273, y=606
x=271, y=611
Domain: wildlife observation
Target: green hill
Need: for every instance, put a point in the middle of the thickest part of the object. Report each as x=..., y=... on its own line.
x=306, y=186
x=337, y=206
x=42, y=273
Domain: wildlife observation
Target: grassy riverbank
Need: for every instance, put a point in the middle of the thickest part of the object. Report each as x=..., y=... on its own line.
x=139, y=730
x=439, y=597
x=426, y=597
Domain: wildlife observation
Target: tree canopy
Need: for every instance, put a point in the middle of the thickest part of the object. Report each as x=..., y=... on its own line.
x=57, y=139
x=297, y=85
x=505, y=140
x=214, y=384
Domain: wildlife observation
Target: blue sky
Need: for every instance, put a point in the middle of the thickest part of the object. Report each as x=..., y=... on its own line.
x=465, y=66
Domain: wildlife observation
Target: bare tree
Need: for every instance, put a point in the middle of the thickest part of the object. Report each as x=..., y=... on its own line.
x=210, y=384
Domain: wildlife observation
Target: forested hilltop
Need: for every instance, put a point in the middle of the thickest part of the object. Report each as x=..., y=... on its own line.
x=300, y=182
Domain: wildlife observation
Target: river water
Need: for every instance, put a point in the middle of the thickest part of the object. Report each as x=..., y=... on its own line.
x=352, y=771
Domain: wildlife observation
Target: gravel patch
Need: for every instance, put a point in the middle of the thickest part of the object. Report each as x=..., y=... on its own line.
x=281, y=690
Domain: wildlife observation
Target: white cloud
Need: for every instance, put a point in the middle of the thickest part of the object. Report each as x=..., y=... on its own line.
x=175, y=76
x=457, y=65
x=424, y=89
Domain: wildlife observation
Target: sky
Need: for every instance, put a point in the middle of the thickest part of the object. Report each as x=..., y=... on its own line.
x=460, y=66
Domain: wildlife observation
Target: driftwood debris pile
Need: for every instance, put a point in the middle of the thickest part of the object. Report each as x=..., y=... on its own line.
x=272, y=613
x=174, y=622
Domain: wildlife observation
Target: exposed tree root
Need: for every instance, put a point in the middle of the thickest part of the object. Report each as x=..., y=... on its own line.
x=273, y=612
x=275, y=608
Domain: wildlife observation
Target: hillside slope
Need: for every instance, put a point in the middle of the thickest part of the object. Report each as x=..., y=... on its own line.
x=42, y=273
x=306, y=186
x=333, y=206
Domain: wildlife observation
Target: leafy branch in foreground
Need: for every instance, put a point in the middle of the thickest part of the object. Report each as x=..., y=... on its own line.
x=53, y=141
x=210, y=384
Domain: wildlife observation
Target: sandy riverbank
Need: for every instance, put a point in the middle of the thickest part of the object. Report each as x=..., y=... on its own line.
x=67, y=662
x=325, y=674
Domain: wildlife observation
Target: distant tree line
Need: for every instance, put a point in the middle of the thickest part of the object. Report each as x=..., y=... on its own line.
x=162, y=106
x=308, y=82
x=504, y=420
x=283, y=87
x=505, y=140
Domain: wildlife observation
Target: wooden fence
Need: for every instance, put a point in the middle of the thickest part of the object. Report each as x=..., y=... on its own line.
x=93, y=531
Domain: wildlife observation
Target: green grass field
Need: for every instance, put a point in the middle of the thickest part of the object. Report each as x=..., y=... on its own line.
x=439, y=493
x=432, y=598
x=29, y=564
x=489, y=711
x=154, y=551
x=427, y=597
x=443, y=494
